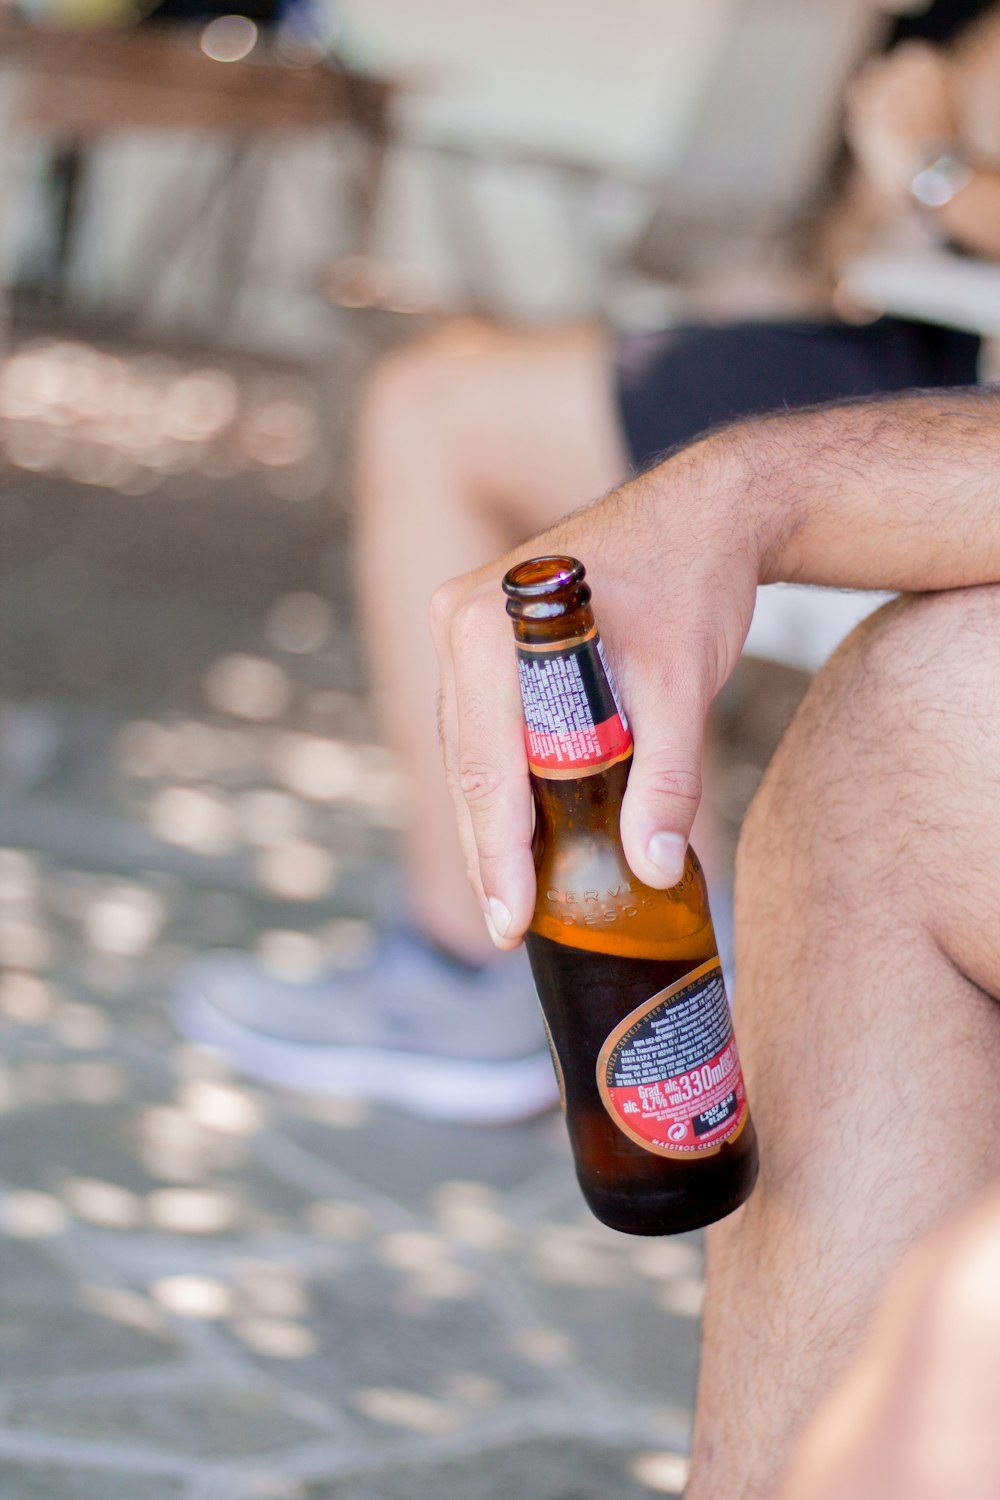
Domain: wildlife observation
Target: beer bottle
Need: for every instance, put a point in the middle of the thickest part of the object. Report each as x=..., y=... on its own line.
x=628, y=977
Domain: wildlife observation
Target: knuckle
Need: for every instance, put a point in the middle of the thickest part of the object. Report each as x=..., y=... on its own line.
x=471, y=617
x=443, y=604
x=672, y=783
x=460, y=610
x=492, y=854
x=468, y=615
x=480, y=783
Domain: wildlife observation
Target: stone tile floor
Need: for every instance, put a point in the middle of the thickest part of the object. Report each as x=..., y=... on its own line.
x=212, y=1291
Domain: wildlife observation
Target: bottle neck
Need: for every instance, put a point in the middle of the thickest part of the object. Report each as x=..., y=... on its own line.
x=585, y=801
x=575, y=726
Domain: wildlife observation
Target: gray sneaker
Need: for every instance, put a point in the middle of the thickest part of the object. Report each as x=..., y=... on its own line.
x=412, y=1030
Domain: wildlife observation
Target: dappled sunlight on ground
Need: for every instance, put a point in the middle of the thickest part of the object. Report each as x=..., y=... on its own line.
x=128, y=421
x=216, y=1289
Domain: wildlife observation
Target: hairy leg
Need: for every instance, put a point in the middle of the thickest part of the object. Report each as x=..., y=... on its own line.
x=468, y=441
x=868, y=958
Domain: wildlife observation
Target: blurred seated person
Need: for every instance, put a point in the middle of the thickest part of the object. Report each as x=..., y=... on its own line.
x=480, y=435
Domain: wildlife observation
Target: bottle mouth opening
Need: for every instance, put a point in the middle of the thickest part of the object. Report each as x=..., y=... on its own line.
x=539, y=577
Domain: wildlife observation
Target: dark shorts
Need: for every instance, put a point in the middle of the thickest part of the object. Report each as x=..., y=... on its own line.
x=673, y=385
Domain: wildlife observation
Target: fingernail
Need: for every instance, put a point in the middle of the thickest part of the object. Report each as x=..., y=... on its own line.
x=498, y=919
x=666, y=851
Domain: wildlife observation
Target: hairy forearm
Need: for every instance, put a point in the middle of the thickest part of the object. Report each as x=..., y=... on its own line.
x=897, y=494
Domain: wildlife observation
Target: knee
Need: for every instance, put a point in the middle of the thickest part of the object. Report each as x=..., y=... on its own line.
x=891, y=732
x=420, y=392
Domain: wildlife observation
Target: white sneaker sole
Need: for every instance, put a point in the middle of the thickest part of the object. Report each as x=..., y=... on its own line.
x=454, y=1090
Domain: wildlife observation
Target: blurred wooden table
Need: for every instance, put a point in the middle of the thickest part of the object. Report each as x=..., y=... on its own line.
x=75, y=88
x=84, y=84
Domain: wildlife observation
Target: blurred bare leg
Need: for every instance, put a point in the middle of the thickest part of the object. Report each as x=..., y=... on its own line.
x=868, y=959
x=469, y=440
x=916, y=1413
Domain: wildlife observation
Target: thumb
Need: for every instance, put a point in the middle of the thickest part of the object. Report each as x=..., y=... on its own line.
x=664, y=787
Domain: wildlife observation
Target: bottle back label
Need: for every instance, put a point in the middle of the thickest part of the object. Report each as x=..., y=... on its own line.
x=574, y=722
x=669, y=1074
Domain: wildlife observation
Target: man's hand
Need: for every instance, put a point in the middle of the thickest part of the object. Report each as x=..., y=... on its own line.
x=672, y=559
x=893, y=494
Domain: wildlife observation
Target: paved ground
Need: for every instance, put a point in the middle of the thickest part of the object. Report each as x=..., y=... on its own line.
x=210, y=1291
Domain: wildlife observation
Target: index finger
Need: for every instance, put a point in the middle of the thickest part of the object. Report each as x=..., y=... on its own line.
x=483, y=742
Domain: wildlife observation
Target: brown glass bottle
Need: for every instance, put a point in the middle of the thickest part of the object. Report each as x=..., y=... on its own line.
x=628, y=977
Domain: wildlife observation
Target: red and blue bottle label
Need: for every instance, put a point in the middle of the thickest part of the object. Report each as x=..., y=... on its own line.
x=669, y=1074
x=574, y=723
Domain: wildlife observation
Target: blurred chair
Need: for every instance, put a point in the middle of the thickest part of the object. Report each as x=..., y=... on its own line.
x=72, y=89
x=668, y=136
x=768, y=129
